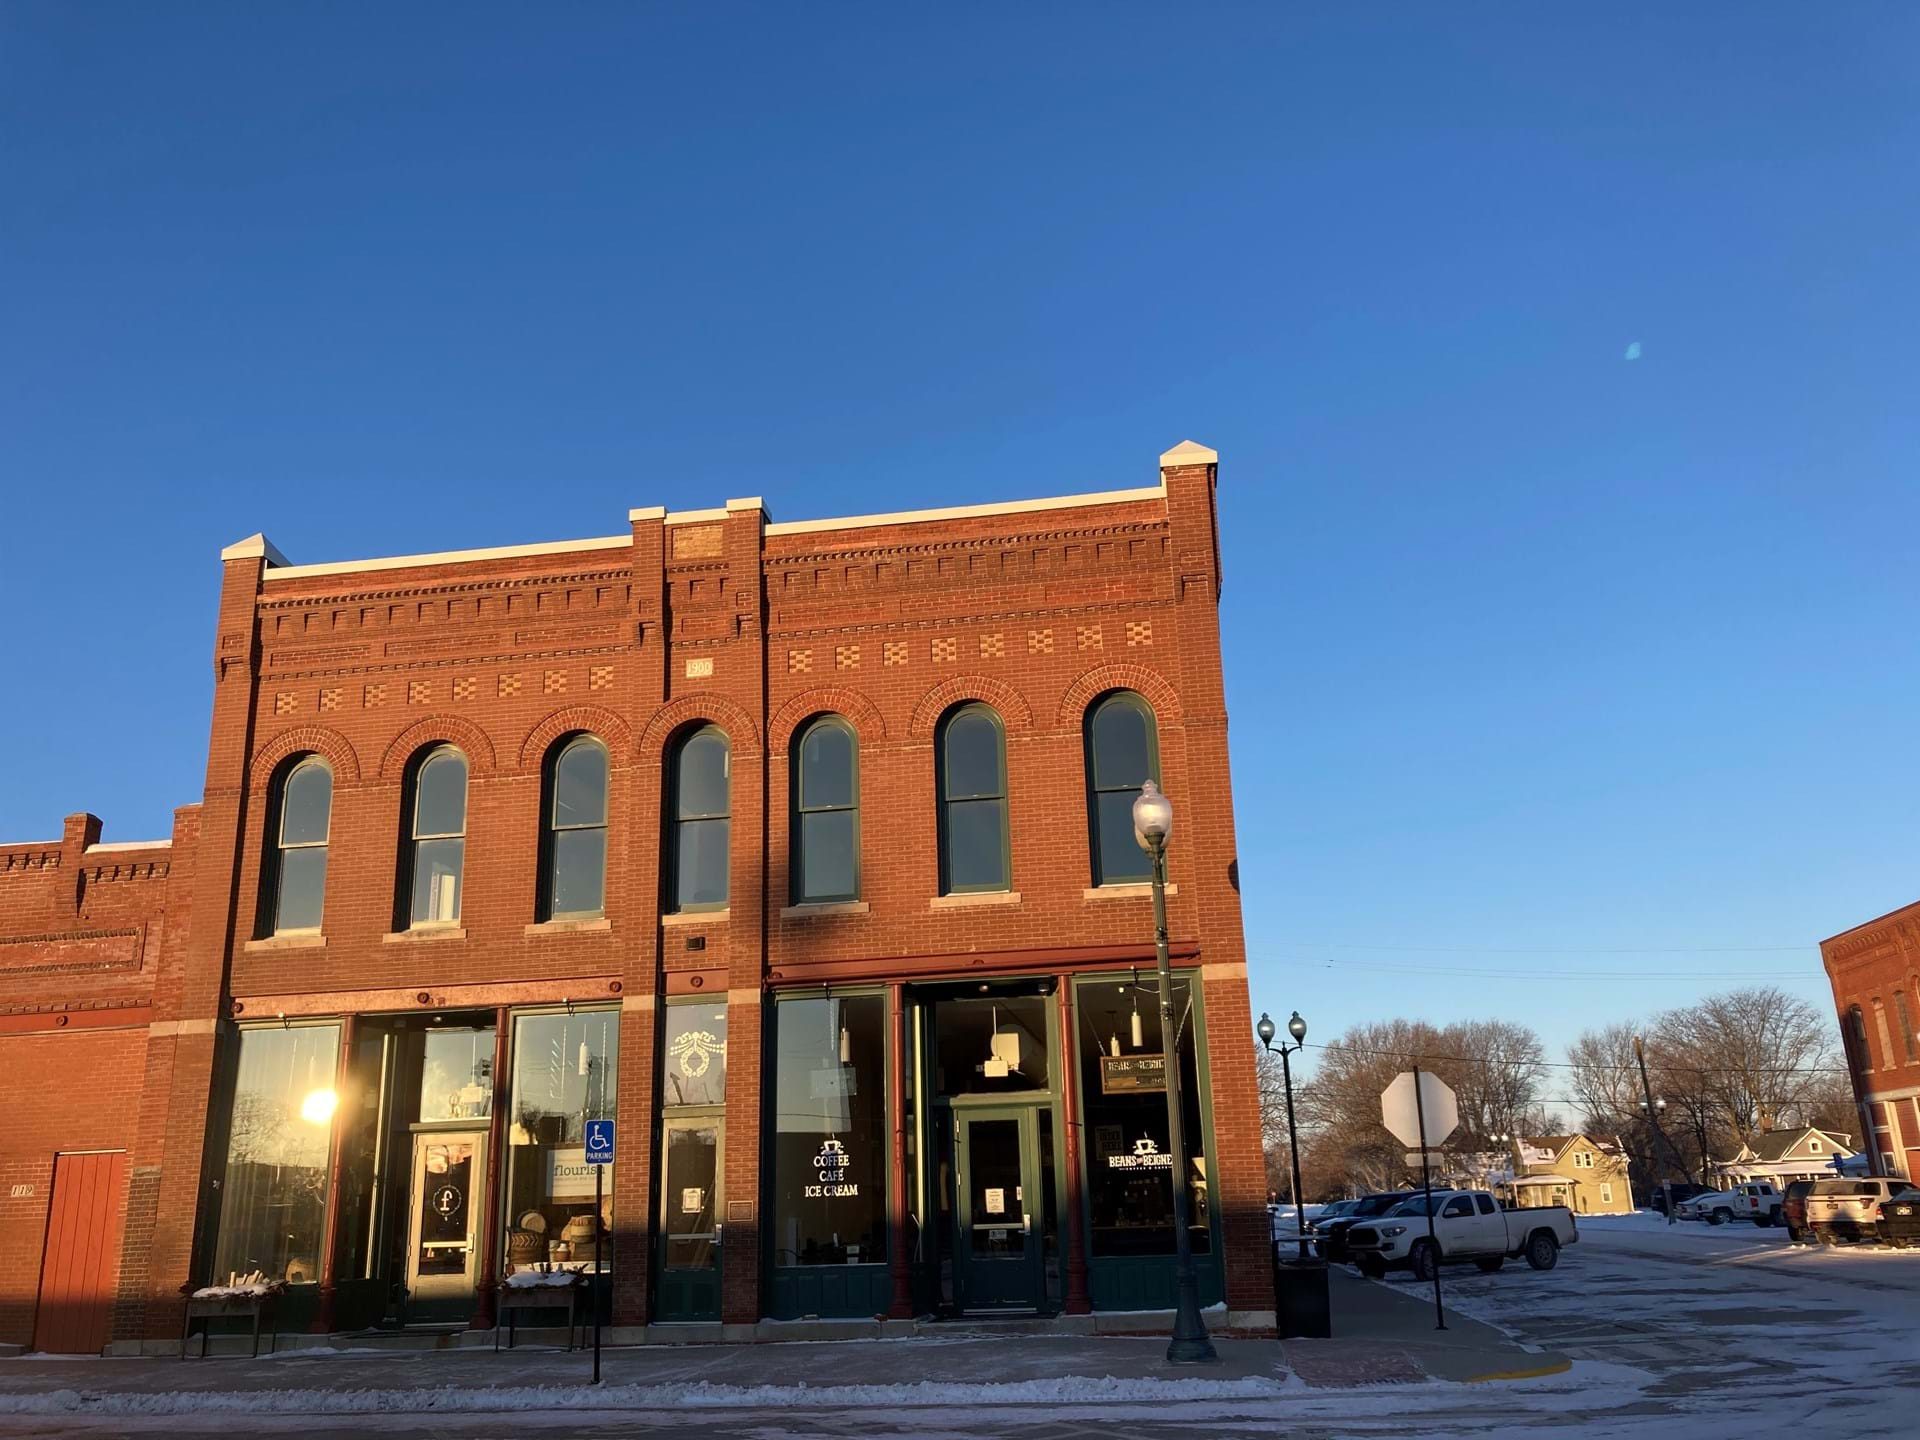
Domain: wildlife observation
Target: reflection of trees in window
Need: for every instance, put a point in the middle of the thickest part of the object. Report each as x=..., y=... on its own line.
x=830, y=1131
x=1123, y=753
x=565, y=1073
x=1129, y=1197
x=296, y=866
x=274, y=1204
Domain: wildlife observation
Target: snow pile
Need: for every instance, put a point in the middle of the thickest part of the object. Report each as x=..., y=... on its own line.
x=237, y=1292
x=527, y=1279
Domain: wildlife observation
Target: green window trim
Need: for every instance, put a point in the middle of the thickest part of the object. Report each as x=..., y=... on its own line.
x=967, y=805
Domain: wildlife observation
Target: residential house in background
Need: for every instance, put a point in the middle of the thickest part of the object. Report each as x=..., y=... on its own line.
x=1586, y=1174
x=1779, y=1156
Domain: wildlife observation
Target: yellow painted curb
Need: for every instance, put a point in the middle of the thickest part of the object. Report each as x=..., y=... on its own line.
x=1558, y=1367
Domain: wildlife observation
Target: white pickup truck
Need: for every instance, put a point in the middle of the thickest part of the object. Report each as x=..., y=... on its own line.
x=1469, y=1226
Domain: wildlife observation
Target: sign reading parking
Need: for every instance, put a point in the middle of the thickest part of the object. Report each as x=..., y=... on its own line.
x=599, y=1142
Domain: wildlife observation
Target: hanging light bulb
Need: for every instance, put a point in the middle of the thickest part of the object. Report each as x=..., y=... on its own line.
x=1139, y=1040
x=846, y=1044
x=1113, y=1045
x=583, y=1056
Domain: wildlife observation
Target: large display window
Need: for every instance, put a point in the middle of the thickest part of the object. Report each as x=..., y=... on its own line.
x=830, y=1130
x=565, y=1069
x=1124, y=1099
x=274, y=1208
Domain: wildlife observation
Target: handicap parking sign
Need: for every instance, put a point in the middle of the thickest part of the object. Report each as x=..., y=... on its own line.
x=599, y=1142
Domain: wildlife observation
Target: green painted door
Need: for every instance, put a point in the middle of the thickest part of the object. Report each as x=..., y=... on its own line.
x=997, y=1176
x=688, y=1288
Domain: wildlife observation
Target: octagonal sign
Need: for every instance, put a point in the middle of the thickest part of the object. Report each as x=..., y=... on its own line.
x=1400, y=1110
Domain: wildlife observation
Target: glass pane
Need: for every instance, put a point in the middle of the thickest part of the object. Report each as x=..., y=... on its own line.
x=436, y=880
x=996, y=1188
x=303, y=887
x=826, y=767
x=700, y=780
x=274, y=1198
x=565, y=1071
x=991, y=1045
x=1121, y=860
x=579, y=871
x=304, y=804
x=446, y=1182
x=456, y=1075
x=580, y=785
x=830, y=1131
x=693, y=1155
x=829, y=844
x=695, y=1069
x=1122, y=746
x=972, y=755
x=976, y=845
x=440, y=796
x=700, y=866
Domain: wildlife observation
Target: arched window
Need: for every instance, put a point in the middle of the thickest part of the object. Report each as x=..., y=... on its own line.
x=699, y=805
x=302, y=820
x=576, y=839
x=826, y=813
x=972, y=760
x=437, y=837
x=1123, y=753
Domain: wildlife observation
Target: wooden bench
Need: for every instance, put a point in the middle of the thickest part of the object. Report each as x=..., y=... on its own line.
x=515, y=1298
x=217, y=1307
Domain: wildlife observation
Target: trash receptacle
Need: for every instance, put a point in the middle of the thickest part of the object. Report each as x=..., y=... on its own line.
x=1300, y=1307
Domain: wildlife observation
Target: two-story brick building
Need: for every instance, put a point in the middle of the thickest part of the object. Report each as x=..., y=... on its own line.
x=800, y=850
x=1875, y=972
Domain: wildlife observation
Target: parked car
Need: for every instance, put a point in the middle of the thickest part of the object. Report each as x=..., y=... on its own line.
x=1899, y=1220
x=1681, y=1191
x=1793, y=1210
x=1849, y=1209
x=1332, y=1234
x=1716, y=1207
x=1467, y=1225
x=1762, y=1202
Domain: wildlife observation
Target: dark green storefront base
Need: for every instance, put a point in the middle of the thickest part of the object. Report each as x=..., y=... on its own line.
x=1146, y=1282
x=830, y=1292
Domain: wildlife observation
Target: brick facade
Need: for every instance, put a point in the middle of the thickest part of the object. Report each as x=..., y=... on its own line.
x=715, y=617
x=1875, y=972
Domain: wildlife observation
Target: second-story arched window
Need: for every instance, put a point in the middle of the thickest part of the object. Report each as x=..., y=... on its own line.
x=302, y=822
x=575, y=879
x=699, y=810
x=1123, y=753
x=975, y=850
x=826, y=813
x=437, y=837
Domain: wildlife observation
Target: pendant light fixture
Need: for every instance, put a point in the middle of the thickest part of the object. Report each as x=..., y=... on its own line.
x=1139, y=1040
x=846, y=1040
x=1113, y=1045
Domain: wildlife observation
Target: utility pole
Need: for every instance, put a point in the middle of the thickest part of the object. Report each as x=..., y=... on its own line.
x=1653, y=1119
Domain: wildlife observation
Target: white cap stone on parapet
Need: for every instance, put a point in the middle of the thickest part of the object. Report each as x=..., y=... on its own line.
x=255, y=547
x=1189, y=452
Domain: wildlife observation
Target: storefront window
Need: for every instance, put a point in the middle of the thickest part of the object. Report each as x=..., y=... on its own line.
x=564, y=1074
x=695, y=1071
x=456, y=1075
x=990, y=1046
x=274, y=1206
x=830, y=1131
x=1123, y=1095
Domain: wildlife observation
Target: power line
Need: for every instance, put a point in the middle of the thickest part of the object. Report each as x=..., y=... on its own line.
x=1800, y=949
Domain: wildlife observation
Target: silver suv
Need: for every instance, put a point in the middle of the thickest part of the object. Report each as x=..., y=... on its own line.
x=1848, y=1209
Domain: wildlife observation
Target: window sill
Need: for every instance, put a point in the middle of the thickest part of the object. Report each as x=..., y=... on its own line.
x=1138, y=890
x=426, y=932
x=312, y=940
x=824, y=907
x=696, y=917
x=974, y=897
x=568, y=927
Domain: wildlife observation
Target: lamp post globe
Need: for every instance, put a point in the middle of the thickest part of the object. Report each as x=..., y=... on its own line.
x=1297, y=1028
x=1152, y=818
x=1265, y=1030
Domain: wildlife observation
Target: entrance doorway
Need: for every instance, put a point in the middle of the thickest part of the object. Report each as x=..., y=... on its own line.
x=999, y=1213
x=443, y=1249
x=689, y=1230
x=80, y=1267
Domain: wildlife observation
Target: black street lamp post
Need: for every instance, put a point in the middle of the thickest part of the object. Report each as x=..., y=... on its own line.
x=1297, y=1028
x=1152, y=824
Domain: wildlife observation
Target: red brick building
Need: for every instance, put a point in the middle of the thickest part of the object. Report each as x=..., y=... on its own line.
x=800, y=851
x=1875, y=972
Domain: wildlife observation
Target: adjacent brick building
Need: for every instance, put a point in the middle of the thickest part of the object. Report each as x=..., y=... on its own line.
x=800, y=851
x=1875, y=972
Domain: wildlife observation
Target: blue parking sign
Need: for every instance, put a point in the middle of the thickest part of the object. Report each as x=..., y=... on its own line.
x=599, y=1142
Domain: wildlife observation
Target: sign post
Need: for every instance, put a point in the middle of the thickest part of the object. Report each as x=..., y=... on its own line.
x=1419, y=1108
x=600, y=1135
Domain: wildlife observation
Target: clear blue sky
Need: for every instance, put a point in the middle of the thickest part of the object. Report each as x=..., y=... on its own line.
x=1531, y=647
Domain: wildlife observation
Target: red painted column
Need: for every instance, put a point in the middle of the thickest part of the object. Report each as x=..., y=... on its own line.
x=487, y=1293
x=902, y=1307
x=323, y=1321
x=1077, y=1301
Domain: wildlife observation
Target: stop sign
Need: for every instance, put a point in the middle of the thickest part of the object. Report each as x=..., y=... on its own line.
x=1401, y=1109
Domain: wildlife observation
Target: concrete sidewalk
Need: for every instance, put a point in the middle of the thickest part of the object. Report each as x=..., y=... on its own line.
x=1385, y=1335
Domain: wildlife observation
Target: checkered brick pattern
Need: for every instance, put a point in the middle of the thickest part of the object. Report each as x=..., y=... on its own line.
x=1039, y=642
x=992, y=647
x=555, y=682
x=894, y=652
x=330, y=699
x=1139, y=632
x=846, y=657
x=465, y=688
x=600, y=677
x=285, y=703
x=799, y=662
x=419, y=692
x=947, y=647
x=373, y=697
x=1089, y=636
x=509, y=686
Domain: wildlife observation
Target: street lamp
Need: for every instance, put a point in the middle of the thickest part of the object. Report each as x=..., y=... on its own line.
x=1152, y=824
x=1297, y=1028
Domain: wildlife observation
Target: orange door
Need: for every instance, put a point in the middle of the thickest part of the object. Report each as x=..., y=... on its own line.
x=81, y=1264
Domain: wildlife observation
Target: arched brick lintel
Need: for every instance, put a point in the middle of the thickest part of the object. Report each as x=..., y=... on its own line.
x=1015, y=713
x=436, y=729
x=594, y=719
x=330, y=745
x=851, y=705
x=742, y=734
x=1150, y=684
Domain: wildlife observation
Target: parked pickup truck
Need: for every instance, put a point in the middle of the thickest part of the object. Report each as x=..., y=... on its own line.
x=1469, y=1226
x=1761, y=1201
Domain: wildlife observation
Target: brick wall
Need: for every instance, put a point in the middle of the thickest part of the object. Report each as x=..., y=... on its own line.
x=1874, y=969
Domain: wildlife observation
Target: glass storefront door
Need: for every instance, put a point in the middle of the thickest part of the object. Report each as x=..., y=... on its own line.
x=689, y=1231
x=998, y=1212
x=449, y=1177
